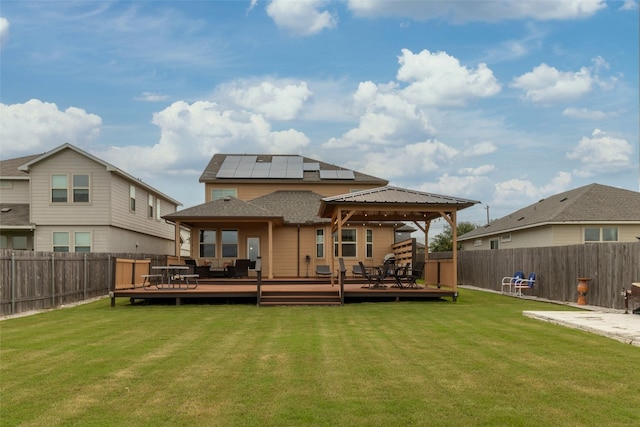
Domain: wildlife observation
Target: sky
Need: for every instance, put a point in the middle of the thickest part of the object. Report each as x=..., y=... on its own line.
x=502, y=102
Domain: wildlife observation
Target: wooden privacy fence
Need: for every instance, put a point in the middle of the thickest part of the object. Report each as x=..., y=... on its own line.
x=42, y=280
x=610, y=266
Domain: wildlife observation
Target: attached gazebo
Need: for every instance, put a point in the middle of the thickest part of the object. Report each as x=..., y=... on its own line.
x=393, y=204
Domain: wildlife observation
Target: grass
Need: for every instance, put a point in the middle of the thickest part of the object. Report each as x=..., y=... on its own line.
x=478, y=361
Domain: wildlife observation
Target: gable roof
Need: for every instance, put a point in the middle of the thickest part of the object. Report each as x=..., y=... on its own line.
x=313, y=171
x=590, y=203
x=230, y=208
x=32, y=160
x=390, y=203
x=296, y=207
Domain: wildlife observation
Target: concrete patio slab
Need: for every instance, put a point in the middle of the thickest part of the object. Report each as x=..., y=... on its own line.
x=622, y=327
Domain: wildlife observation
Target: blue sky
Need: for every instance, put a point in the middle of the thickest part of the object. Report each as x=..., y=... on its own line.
x=503, y=102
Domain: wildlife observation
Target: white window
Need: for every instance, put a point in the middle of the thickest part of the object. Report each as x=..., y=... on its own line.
x=477, y=242
x=151, y=204
x=60, y=241
x=609, y=234
x=220, y=193
x=207, y=243
x=495, y=244
x=80, y=188
x=604, y=234
x=349, y=242
x=59, y=188
x=319, y=243
x=132, y=198
x=82, y=241
x=229, y=243
x=158, y=209
x=369, y=243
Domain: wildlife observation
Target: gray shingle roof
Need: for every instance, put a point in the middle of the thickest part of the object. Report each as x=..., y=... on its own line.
x=14, y=214
x=210, y=172
x=296, y=207
x=229, y=207
x=591, y=203
x=9, y=167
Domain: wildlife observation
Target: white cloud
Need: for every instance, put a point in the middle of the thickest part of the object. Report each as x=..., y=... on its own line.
x=287, y=142
x=481, y=149
x=480, y=170
x=279, y=100
x=629, y=5
x=517, y=192
x=151, y=97
x=467, y=186
x=601, y=154
x=37, y=126
x=301, y=17
x=4, y=31
x=439, y=79
x=491, y=11
x=586, y=114
x=548, y=84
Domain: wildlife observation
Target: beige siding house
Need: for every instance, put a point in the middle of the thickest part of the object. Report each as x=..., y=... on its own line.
x=67, y=200
x=269, y=206
x=590, y=214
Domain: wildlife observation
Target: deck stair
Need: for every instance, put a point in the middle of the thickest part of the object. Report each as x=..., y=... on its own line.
x=300, y=297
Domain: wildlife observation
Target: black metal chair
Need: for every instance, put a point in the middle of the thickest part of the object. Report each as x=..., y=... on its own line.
x=416, y=273
x=374, y=276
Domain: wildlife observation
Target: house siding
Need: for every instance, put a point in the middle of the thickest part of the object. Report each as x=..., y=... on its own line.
x=43, y=211
x=250, y=191
x=17, y=191
x=139, y=220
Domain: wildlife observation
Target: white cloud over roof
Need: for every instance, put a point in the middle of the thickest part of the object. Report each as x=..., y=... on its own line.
x=302, y=18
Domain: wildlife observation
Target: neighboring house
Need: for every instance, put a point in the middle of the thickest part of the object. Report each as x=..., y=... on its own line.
x=590, y=214
x=269, y=206
x=67, y=200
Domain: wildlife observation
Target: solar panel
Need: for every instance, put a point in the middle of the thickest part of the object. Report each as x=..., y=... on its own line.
x=311, y=167
x=291, y=167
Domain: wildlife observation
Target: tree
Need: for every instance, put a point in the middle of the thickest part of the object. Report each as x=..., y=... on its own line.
x=443, y=242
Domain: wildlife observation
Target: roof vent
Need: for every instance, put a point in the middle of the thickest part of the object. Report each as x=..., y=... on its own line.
x=5, y=210
x=521, y=218
x=562, y=200
x=226, y=198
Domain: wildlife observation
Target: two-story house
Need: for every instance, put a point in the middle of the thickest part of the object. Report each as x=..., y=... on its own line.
x=67, y=200
x=590, y=214
x=296, y=213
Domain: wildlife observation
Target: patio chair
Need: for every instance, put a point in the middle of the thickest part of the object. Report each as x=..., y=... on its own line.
x=373, y=275
x=509, y=282
x=522, y=284
x=401, y=274
x=356, y=270
x=414, y=274
x=323, y=270
x=242, y=268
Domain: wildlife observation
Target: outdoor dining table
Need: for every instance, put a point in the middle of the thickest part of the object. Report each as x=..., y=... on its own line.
x=173, y=276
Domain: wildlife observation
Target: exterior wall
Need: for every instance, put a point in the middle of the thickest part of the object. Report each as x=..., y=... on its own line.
x=250, y=191
x=555, y=235
x=14, y=191
x=105, y=239
x=43, y=211
x=139, y=220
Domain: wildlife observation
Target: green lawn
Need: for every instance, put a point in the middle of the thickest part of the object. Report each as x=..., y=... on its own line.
x=478, y=361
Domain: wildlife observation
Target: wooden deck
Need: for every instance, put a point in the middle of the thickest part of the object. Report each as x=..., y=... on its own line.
x=284, y=291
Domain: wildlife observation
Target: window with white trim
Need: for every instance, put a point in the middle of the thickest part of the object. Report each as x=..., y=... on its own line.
x=320, y=243
x=80, y=188
x=600, y=234
x=132, y=198
x=59, y=188
x=60, y=241
x=369, y=243
x=151, y=205
x=207, y=243
x=157, y=209
x=221, y=193
x=349, y=242
x=229, y=243
x=82, y=241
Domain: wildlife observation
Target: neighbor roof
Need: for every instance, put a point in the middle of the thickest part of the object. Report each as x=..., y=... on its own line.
x=591, y=203
x=14, y=215
x=31, y=160
x=308, y=170
x=9, y=167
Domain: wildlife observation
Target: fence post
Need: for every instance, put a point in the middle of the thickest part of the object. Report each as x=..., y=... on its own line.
x=84, y=277
x=53, y=282
x=13, y=283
